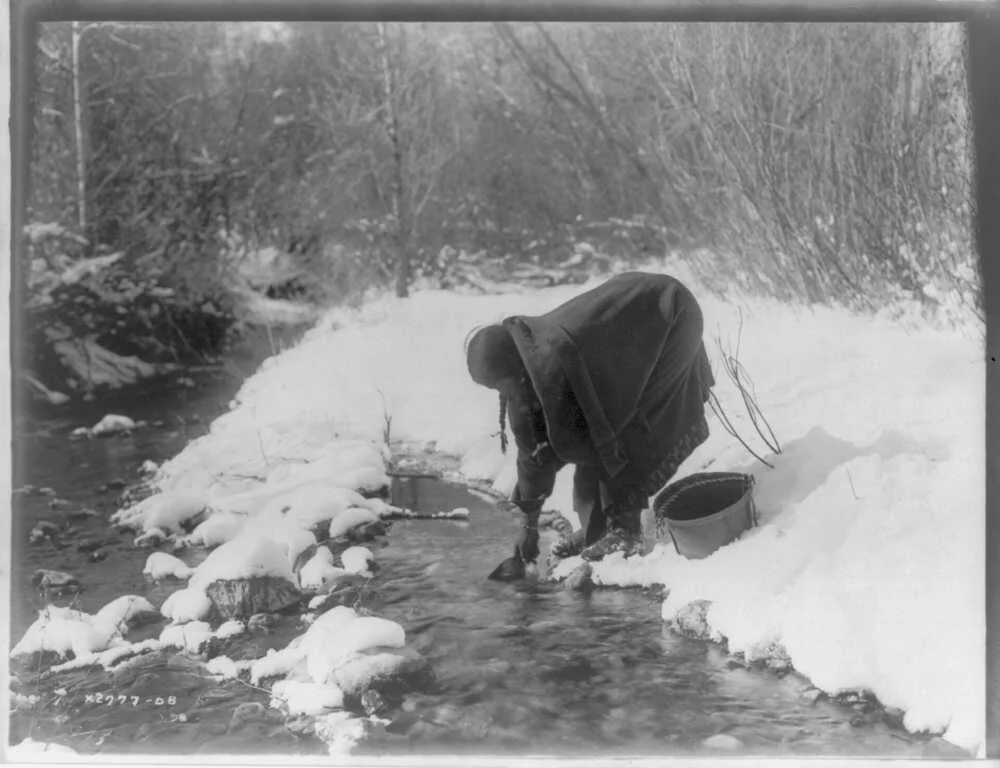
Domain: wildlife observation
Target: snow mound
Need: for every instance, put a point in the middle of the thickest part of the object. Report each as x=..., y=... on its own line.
x=350, y=518
x=111, y=424
x=298, y=698
x=189, y=637
x=108, y=658
x=226, y=668
x=190, y=604
x=124, y=611
x=166, y=512
x=217, y=528
x=161, y=565
x=230, y=628
x=357, y=560
x=65, y=630
x=319, y=573
x=249, y=555
x=336, y=641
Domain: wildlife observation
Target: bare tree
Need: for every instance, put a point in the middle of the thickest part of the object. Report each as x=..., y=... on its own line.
x=413, y=120
x=78, y=131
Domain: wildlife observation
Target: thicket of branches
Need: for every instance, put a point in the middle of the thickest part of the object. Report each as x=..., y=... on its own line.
x=810, y=162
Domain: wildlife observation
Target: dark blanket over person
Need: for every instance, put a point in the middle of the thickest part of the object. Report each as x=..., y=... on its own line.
x=615, y=382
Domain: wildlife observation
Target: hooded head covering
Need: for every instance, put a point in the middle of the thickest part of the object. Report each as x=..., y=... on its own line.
x=492, y=356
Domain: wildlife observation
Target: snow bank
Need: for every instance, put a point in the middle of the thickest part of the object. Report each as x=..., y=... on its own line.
x=868, y=567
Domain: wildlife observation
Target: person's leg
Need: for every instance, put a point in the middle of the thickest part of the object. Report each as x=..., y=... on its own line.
x=588, y=505
x=623, y=526
x=597, y=525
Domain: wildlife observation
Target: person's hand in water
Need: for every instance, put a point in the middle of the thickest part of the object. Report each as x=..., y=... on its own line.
x=511, y=569
x=525, y=552
x=527, y=544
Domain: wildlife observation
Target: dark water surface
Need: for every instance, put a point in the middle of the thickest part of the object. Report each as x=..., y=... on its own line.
x=512, y=668
x=534, y=668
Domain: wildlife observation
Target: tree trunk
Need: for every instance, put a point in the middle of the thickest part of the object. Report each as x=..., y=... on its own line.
x=400, y=194
x=81, y=163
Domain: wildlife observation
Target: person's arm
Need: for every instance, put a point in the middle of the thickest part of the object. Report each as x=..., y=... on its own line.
x=537, y=465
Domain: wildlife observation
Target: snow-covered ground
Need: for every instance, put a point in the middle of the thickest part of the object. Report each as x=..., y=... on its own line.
x=868, y=567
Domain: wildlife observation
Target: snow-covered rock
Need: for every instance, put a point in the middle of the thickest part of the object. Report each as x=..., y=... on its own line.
x=111, y=424
x=301, y=698
x=230, y=628
x=161, y=565
x=358, y=560
x=319, y=572
x=65, y=630
x=163, y=512
x=190, y=604
x=189, y=636
x=127, y=611
x=217, y=528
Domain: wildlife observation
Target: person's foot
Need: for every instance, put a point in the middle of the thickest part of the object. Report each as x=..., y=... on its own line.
x=615, y=540
x=572, y=544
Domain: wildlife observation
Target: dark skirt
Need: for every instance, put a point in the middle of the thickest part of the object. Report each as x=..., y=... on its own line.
x=682, y=449
x=593, y=501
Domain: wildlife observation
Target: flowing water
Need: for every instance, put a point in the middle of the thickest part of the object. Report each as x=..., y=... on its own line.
x=511, y=668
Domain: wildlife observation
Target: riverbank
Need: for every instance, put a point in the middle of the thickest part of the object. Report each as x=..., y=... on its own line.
x=506, y=668
x=881, y=448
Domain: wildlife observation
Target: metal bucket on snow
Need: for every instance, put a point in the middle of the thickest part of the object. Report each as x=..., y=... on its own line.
x=705, y=511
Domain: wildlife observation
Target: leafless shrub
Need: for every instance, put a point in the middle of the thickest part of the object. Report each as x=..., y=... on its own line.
x=737, y=373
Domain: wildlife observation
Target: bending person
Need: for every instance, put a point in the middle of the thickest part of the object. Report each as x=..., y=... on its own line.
x=615, y=382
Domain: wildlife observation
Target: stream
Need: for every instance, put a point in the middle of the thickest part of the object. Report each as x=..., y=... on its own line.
x=527, y=668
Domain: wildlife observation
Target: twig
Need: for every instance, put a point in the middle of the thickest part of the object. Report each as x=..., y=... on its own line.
x=727, y=425
x=260, y=445
x=738, y=374
x=241, y=681
x=853, y=489
x=386, y=420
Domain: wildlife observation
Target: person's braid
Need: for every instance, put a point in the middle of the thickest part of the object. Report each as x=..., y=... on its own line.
x=503, y=424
